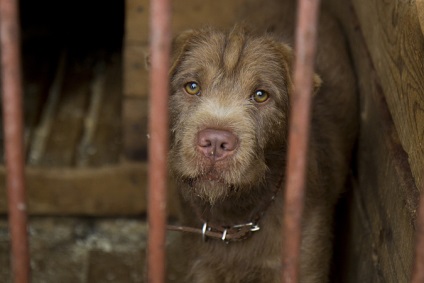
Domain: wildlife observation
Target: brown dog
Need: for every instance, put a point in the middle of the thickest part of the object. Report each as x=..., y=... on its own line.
x=230, y=106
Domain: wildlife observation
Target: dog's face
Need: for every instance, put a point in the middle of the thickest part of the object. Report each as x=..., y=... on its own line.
x=229, y=109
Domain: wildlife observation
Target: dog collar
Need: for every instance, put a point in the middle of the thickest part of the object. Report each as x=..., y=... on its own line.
x=227, y=234
x=233, y=233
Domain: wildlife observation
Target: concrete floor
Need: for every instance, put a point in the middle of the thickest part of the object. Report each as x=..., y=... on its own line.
x=81, y=250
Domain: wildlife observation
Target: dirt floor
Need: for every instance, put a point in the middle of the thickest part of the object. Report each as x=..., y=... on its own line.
x=82, y=250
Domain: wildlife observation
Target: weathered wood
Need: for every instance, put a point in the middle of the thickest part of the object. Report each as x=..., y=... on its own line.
x=196, y=13
x=135, y=102
x=38, y=59
x=105, y=146
x=118, y=190
x=360, y=258
x=67, y=121
x=42, y=131
x=396, y=44
x=380, y=229
x=38, y=70
x=136, y=22
x=420, y=13
x=85, y=147
x=186, y=14
x=136, y=75
x=134, y=128
x=386, y=190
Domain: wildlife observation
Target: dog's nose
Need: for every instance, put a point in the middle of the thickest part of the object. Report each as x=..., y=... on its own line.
x=216, y=144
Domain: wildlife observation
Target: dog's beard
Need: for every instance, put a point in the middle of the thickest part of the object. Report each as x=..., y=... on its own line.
x=214, y=186
x=213, y=182
x=209, y=191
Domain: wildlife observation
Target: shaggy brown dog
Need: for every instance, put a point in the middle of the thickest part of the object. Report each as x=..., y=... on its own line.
x=230, y=106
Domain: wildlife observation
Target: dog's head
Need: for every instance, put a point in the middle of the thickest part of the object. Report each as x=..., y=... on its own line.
x=229, y=109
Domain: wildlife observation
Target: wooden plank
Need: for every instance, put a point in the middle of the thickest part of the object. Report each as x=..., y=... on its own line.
x=42, y=131
x=39, y=61
x=360, y=258
x=118, y=190
x=85, y=148
x=136, y=22
x=134, y=128
x=387, y=188
x=380, y=231
x=136, y=75
x=186, y=14
x=102, y=140
x=196, y=13
x=420, y=13
x=67, y=121
x=394, y=38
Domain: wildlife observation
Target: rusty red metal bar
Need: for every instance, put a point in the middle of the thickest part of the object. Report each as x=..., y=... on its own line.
x=305, y=46
x=14, y=144
x=160, y=48
x=418, y=269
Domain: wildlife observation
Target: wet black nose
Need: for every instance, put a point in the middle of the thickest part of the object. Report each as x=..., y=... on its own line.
x=216, y=144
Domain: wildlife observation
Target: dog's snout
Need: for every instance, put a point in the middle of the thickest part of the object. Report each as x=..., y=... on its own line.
x=216, y=144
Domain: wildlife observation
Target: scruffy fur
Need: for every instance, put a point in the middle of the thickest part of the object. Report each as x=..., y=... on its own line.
x=229, y=67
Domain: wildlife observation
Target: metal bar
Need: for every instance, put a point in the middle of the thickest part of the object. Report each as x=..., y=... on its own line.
x=418, y=269
x=14, y=144
x=160, y=47
x=305, y=45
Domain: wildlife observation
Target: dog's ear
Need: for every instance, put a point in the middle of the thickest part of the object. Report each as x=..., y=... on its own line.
x=180, y=45
x=178, y=49
x=288, y=60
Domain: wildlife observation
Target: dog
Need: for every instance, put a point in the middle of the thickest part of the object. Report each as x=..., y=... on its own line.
x=229, y=117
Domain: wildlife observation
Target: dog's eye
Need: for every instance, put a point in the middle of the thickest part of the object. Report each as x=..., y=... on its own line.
x=192, y=88
x=260, y=96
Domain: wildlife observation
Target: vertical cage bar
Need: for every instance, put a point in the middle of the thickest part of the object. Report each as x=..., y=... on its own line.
x=13, y=132
x=160, y=47
x=305, y=45
x=418, y=269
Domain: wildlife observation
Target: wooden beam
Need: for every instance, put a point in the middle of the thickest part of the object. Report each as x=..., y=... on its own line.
x=395, y=41
x=41, y=134
x=65, y=122
x=380, y=229
x=109, y=126
x=118, y=190
x=134, y=128
x=420, y=12
x=136, y=75
x=186, y=14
